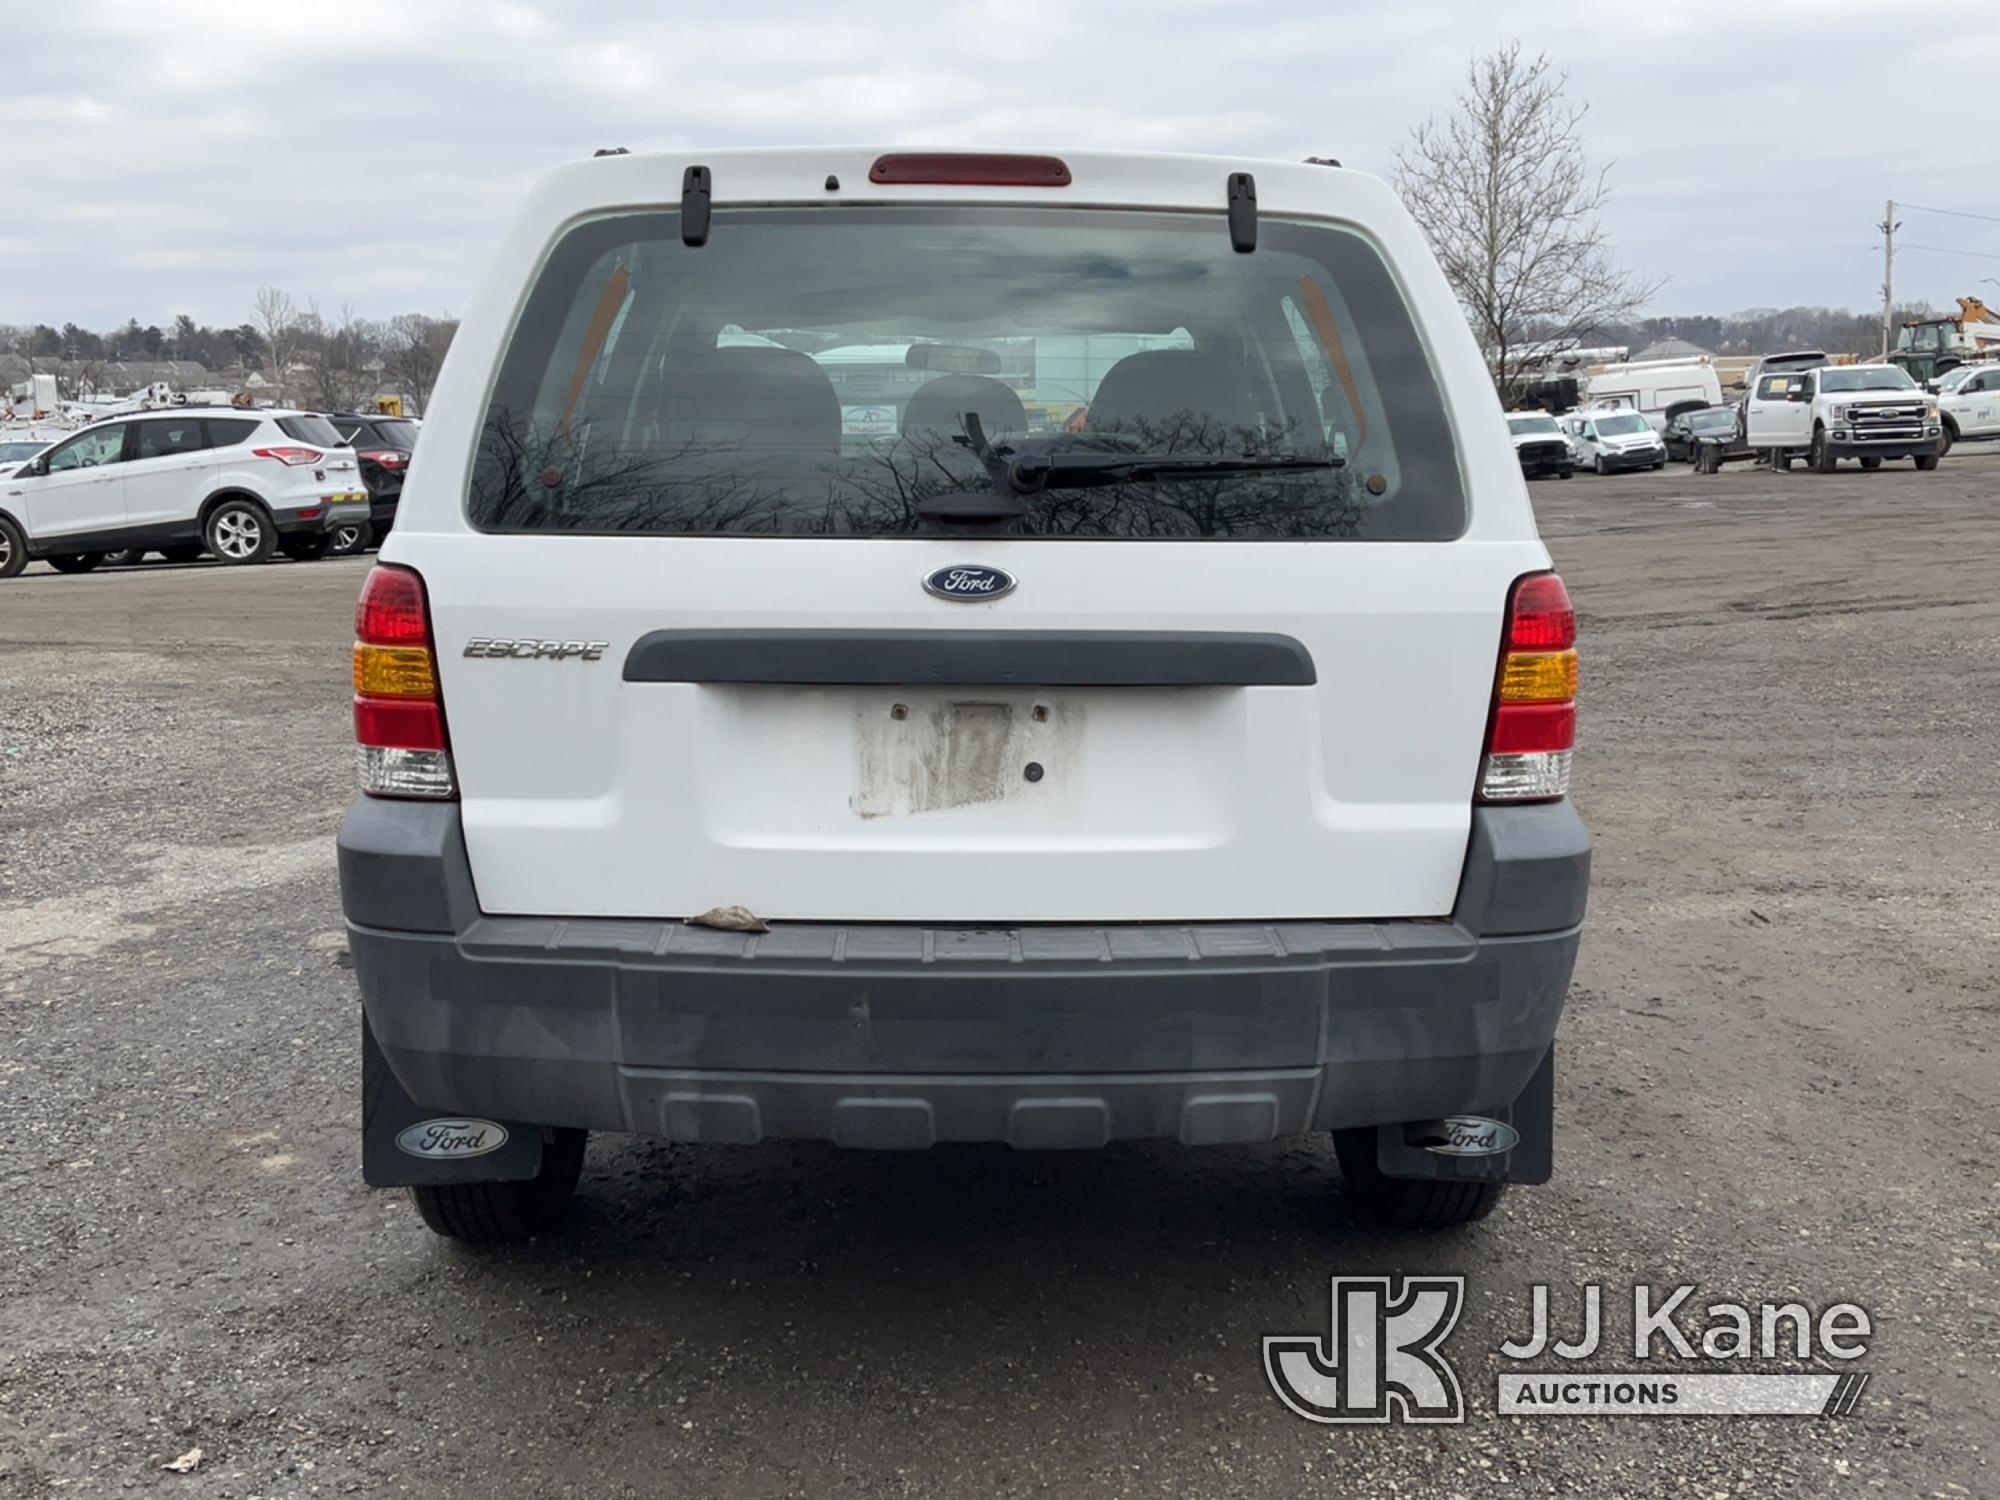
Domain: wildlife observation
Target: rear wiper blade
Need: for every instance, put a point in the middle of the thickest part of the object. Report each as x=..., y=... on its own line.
x=1081, y=470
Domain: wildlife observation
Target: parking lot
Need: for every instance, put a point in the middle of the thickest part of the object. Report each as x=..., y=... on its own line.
x=1775, y=1081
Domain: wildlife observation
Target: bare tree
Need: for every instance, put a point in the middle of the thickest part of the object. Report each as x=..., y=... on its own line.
x=340, y=353
x=1510, y=203
x=413, y=347
x=279, y=322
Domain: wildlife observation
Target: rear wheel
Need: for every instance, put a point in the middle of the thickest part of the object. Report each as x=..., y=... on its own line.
x=306, y=548
x=1871, y=463
x=1565, y=473
x=1927, y=462
x=131, y=557
x=75, y=562
x=13, y=549
x=1406, y=1203
x=181, y=554
x=487, y=1213
x=1821, y=456
x=348, y=540
x=238, y=531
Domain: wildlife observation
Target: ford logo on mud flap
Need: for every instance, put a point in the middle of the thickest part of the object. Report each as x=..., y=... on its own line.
x=451, y=1140
x=1469, y=1135
x=969, y=581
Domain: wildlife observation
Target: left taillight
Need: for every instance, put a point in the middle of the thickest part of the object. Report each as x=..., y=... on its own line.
x=398, y=709
x=388, y=458
x=1534, y=700
x=291, y=458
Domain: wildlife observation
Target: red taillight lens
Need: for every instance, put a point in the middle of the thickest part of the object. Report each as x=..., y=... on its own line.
x=398, y=710
x=399, y=723
x=1534, y=712
x=294, y=458
x=970, y=169
x=1541, y=617
x=391, y=611
x=1532, y=728
x=388, y=458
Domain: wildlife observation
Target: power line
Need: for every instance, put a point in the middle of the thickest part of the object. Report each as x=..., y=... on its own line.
x=1942, y=250
x=1954, y=213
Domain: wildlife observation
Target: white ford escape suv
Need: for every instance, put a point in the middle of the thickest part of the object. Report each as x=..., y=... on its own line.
x=238, y=484
x=1160, y=727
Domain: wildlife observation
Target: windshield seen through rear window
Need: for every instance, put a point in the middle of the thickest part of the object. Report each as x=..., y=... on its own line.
x=1866, y=378
x=832, y=372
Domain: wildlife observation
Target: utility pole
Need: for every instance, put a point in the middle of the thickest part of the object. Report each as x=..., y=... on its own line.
x=1888, y=226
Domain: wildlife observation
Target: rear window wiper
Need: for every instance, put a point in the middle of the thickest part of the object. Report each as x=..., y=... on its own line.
x=1033, y=473
x=1081, y=470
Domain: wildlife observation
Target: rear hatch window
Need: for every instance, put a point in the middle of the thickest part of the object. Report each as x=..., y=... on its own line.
x=395, y=435
x=312, y=429
x=824, y=372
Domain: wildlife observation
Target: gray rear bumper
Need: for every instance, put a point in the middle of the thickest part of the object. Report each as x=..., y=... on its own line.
x=889, y=1036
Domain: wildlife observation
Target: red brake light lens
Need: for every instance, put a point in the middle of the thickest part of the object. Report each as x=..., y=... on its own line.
x=399, y=723
x=392, y=609
x=970, y=169
x=388, y=458
x=294, y=458
x=1542, y=618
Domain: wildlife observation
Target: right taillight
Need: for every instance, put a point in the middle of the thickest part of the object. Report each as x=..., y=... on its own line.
x=1534, y=701
x=398, y=710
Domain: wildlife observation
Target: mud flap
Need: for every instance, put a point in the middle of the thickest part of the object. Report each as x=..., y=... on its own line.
x=1531, y=1161
x=404, y=1144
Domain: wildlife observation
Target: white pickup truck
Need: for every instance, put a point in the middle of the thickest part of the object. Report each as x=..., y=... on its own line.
x=1869, y=412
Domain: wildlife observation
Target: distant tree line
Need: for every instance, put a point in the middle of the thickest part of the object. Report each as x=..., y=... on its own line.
x=1762, y=330
x=335, y=361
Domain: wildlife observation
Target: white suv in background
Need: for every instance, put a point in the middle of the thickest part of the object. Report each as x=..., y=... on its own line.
x=1194, y=767
x=238, y=484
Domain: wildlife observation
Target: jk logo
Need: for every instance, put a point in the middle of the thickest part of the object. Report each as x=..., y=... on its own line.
x=1380, y=1361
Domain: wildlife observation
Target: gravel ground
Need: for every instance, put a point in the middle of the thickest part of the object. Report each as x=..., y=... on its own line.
x=1776, y=1082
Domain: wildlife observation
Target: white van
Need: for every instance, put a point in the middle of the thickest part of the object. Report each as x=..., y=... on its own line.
x=1194, y=770
x=1657, y=389
x=1611, y=440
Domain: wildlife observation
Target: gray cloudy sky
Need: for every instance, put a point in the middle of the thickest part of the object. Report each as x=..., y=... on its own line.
x=165, y=157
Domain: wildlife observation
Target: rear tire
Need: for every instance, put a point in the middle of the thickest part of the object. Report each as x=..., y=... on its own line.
x=1927, y=462
x=13, y=549
x=1406, y=1203
x=239, y=532
x=310, y=548
x=74, y=562
x=346, y=541
x=1565, y=473
x=181, y=554
x=491, y=1213
x=1871, y=463
x=131, y=557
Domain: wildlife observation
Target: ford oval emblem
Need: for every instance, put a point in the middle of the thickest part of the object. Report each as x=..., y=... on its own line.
x=1470, y=1135
x=969, y=581
x=451, y=1140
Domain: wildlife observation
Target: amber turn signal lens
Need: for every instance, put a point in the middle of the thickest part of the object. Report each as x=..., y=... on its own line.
x=1538, y=677
x=394, y=672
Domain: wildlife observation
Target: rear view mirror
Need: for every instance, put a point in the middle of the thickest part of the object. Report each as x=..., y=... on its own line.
x=952, y=359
